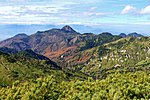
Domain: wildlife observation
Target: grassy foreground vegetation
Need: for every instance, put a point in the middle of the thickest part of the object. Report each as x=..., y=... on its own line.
x=118, y=86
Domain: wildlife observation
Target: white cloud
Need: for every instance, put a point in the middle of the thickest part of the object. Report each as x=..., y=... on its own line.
x=128, y=9
x=54, y=12
x=133, y=10
x=11, y=14
x=17, y=0
x=94, y=14
x=92, y=8
x=146, y=10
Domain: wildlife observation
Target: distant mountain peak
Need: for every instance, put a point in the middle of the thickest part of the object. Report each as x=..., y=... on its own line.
x=21, y=35
x=67, y=28
x=134, y=34
x=123, y=35
x=106, y=33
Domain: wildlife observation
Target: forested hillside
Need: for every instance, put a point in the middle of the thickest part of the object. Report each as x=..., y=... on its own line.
x=27, y=65
x=23, y=67
x=129, y=54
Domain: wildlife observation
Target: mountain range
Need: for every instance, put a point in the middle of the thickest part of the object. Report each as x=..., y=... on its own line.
x=65, y=64
x=131, y=35
x=63, y=46
x=78, y=52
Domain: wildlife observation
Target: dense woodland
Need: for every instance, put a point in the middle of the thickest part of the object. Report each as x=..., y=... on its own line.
x=118, y=86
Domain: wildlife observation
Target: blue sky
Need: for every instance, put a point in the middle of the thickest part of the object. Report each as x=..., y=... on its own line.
x=107, y=15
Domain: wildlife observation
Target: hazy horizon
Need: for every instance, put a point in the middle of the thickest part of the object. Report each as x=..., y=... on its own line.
x=115, y=16
x=11, y=30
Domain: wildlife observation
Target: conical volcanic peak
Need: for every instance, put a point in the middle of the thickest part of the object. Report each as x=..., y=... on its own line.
x=67, y=28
